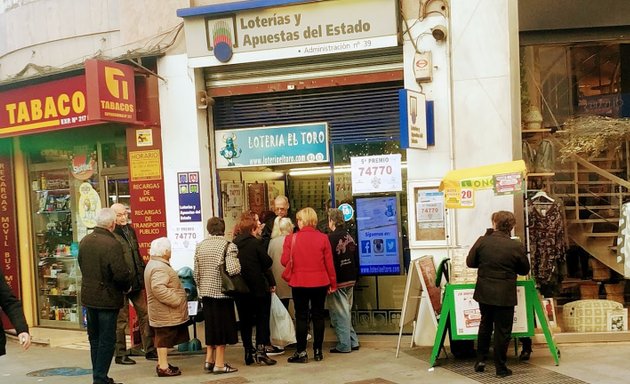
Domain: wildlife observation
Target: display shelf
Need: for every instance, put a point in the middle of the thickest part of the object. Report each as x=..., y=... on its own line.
x=59, y=275
x=541, y=174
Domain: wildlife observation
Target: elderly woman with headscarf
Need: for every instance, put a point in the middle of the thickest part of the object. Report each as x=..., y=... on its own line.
x=167, y=305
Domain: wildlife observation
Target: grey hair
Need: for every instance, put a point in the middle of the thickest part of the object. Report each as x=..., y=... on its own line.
x=160, y=247
x=105, y=218
x=285, y=226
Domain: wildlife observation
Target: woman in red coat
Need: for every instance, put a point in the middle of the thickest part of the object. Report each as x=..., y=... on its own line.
x=312, y=277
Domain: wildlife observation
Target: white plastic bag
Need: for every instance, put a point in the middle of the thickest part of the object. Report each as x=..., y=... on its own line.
x=281, y=324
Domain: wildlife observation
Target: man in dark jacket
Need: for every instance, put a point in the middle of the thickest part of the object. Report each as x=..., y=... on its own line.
x=498, y=259
x=344, y=251
x=127, y=236
x=280, y=210
x=105, y=276
x=10, y=305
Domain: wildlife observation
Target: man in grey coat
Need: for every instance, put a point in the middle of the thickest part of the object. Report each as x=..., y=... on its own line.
x=105, y=277
x=498, y=259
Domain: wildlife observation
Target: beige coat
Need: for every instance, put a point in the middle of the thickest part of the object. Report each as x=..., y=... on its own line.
x=166, y=299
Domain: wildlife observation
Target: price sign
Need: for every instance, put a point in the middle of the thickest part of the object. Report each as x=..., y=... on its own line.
x=376, y=174
x=467, y=197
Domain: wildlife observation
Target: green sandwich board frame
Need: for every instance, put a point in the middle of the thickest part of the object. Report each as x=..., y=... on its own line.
x=449, y=313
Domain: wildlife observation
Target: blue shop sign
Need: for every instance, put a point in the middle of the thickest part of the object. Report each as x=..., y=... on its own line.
x=269, y=146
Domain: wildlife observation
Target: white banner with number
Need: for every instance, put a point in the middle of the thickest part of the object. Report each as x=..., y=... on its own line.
x=372, y=174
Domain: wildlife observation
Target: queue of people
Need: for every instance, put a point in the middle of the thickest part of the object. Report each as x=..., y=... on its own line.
x=113, y=274
x=317, y=268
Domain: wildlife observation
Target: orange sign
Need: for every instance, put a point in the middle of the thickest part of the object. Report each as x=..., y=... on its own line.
x=112, y=91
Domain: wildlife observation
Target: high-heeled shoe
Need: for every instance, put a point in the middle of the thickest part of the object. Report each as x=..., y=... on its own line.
x=249, y=356
x=208, y=366
x=261, y=356
x=318, y=355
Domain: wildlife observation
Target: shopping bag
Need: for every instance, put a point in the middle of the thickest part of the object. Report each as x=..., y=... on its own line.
x=281, y=324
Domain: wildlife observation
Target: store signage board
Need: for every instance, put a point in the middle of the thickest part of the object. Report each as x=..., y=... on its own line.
x=316, y=28
x=10, y=252
x=270, y=146
x=376, y=174
x=413, y=119
x=462, y=311
x=378, y=225
x=105, y=93
x=111, y=91
x=146, y=183
x=468, y=315
x=189, y=197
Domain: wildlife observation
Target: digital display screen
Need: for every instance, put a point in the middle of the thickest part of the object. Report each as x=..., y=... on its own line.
x=377, y=234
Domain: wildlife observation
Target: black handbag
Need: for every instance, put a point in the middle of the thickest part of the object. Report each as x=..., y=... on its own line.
x=231, y=285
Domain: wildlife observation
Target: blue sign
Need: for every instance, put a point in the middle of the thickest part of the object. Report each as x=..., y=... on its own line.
x=189, y=196
x=268, y=146
x=347, y=210
x=377, y=232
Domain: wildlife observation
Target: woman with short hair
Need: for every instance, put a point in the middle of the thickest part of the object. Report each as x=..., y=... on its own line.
x=167, y=305
x=254, y=307
x=312, y=277
x=498, y=259
x=285, y=227
x=218, y=309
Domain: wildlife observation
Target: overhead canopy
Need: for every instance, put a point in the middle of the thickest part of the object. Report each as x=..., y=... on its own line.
x=459, y=185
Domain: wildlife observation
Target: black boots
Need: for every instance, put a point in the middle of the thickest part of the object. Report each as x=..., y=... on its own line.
x=249, y=356
x=261, y=356
x=318, y=355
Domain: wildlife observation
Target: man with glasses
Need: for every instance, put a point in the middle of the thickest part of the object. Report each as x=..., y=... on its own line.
x=280, y=210
x=126, y=235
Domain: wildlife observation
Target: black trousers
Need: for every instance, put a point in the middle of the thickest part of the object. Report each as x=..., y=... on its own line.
x=500, y=320
x=303, y=299
x=254, y=310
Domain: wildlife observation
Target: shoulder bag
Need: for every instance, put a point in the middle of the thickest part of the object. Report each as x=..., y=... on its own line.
x=288, y=270
x=231, y=285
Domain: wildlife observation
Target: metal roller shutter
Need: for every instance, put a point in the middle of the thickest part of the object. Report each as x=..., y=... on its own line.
x=367, y=112
x=298, y=69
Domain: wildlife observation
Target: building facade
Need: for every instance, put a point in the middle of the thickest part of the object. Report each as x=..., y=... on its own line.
x=309, y=86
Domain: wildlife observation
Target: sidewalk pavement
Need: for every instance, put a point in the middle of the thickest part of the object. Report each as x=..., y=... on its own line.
x=374, y=363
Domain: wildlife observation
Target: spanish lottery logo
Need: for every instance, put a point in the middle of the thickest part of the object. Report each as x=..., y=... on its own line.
x=222, y=40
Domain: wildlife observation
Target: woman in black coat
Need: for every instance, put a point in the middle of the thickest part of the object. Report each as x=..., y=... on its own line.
x=10, y=305
x=498, y=259
x=254, y=307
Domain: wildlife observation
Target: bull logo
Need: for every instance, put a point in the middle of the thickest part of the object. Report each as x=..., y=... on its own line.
x=231, y=150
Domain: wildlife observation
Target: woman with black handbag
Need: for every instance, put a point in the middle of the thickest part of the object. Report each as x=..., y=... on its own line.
x=254, y=307
x=211, y=254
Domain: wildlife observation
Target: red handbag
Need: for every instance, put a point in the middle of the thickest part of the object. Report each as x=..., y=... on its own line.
x=288, y=270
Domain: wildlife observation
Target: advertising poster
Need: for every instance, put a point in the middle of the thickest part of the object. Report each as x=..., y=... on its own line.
x=373, y=174
x=468, y=315
x=189, y=197
x=377, y=235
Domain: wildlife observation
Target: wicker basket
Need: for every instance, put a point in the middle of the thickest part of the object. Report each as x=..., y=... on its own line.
x=615, y=292
x=589, y=290
x=600, y=271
